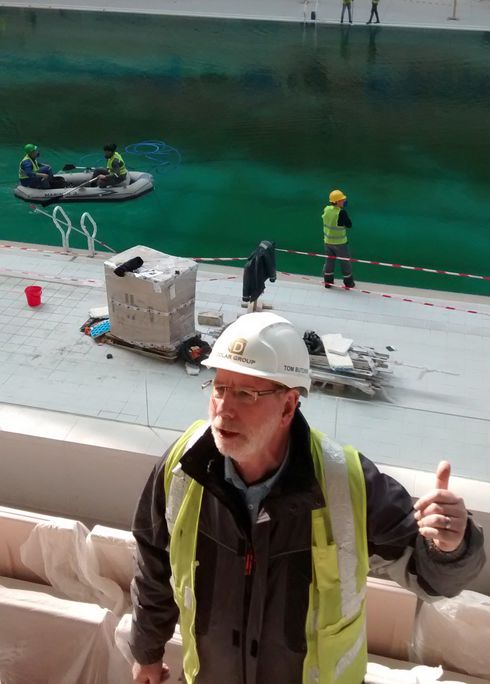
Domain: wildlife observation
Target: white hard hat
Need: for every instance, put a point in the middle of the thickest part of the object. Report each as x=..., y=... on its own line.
x=266, y=346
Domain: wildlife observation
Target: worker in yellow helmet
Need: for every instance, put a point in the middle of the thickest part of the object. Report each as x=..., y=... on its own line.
x=336, y=221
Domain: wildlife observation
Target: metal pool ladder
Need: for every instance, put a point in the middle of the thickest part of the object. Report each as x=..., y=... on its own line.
x=63, y=223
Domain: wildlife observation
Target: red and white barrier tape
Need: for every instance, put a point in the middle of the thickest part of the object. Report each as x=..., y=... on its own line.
x=391, y=296
x=87, y=282
x=438, y=271
x=34, y=249
x=211, y=280
x=219, y=258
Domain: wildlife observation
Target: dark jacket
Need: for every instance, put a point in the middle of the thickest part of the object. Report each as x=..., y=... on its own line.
x=344, y=219
x=250, y=628
x=260, y=266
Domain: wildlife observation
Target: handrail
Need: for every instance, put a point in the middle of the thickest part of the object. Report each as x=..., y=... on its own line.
x=65, y=235
x=90, y=238
x=60, y=218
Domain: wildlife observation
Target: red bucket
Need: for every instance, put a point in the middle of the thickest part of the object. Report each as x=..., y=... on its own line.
x=33, y=295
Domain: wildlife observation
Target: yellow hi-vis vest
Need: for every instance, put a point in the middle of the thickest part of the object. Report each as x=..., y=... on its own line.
x=35, y=167
x=333, y=234
x=336, y=620
x=122, y=169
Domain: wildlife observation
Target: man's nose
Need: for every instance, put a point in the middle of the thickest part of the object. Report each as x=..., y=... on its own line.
x=226, y=405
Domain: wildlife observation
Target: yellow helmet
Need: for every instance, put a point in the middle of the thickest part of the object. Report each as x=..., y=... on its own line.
x=336, y=196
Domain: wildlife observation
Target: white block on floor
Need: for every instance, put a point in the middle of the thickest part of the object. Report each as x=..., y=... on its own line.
x=336, y=343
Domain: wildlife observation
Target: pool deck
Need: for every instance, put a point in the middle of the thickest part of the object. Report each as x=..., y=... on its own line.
x=437, y=406
x=447, y=14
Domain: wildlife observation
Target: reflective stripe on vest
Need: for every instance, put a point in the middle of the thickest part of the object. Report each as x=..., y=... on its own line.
x=111, y=160
x=335, y=623
x=333, y=234
x=35, y=167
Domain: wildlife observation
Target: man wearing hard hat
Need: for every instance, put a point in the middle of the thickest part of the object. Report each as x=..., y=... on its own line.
x=32, y=173
x=335, y=224
x=256, y=531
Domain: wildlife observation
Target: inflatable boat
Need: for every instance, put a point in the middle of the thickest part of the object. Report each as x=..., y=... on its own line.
x=76, y=189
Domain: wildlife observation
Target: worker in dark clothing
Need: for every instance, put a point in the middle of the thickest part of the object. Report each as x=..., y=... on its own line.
x=115, y=172
x=256, y=531
x=374, y=12
x=335, y=222
x=346, y=5
x=33, y=174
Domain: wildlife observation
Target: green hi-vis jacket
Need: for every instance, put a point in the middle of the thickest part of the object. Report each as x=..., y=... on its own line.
x=122, y=168
x=335, y=623
x=333, y=233
x=35, y=167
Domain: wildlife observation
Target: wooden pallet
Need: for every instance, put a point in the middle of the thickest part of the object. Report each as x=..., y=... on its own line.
x=170, y=354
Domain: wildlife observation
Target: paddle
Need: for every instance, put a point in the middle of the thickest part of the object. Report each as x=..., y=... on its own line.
x=56, y=198
x=71, y=167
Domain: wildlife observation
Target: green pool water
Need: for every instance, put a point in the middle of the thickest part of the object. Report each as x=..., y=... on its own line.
x=260, y=120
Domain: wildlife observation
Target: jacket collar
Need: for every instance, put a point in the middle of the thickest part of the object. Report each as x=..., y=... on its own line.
x=296, y=489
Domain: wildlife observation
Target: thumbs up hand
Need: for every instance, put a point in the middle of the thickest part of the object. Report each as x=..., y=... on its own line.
x=441, y=515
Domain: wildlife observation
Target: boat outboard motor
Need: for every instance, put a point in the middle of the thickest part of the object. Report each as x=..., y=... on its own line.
x=260, y=266
x=128, y=266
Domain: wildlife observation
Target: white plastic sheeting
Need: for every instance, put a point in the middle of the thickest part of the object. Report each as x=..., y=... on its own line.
x=455, y=633
x=114, y=551
x=57, y=551
x=45, y=639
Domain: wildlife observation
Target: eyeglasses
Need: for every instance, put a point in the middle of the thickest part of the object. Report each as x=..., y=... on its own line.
x=242, y=395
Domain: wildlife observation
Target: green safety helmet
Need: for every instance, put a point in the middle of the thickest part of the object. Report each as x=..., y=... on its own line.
x=30, y=148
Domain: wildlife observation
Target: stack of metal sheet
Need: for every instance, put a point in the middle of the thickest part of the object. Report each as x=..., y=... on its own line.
x=370, y=372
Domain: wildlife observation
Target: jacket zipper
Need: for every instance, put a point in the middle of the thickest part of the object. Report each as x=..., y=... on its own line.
x=249, y=568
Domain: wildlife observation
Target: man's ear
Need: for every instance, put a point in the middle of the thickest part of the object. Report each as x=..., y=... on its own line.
x=289, y=408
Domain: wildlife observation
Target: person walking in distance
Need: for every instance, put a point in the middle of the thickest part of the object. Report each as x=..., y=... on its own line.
x=336, y=221
x=256, y=531
x=374, y=12
x=346, y=5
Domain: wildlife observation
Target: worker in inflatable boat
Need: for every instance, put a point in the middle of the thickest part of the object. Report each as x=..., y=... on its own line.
x=115, y=173
x=32, y=173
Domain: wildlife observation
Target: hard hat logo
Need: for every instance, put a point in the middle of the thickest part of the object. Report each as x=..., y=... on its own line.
x=237, y=346
x=263, y=345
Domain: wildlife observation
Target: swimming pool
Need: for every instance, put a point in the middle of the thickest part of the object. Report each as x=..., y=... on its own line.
x=255, y=122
